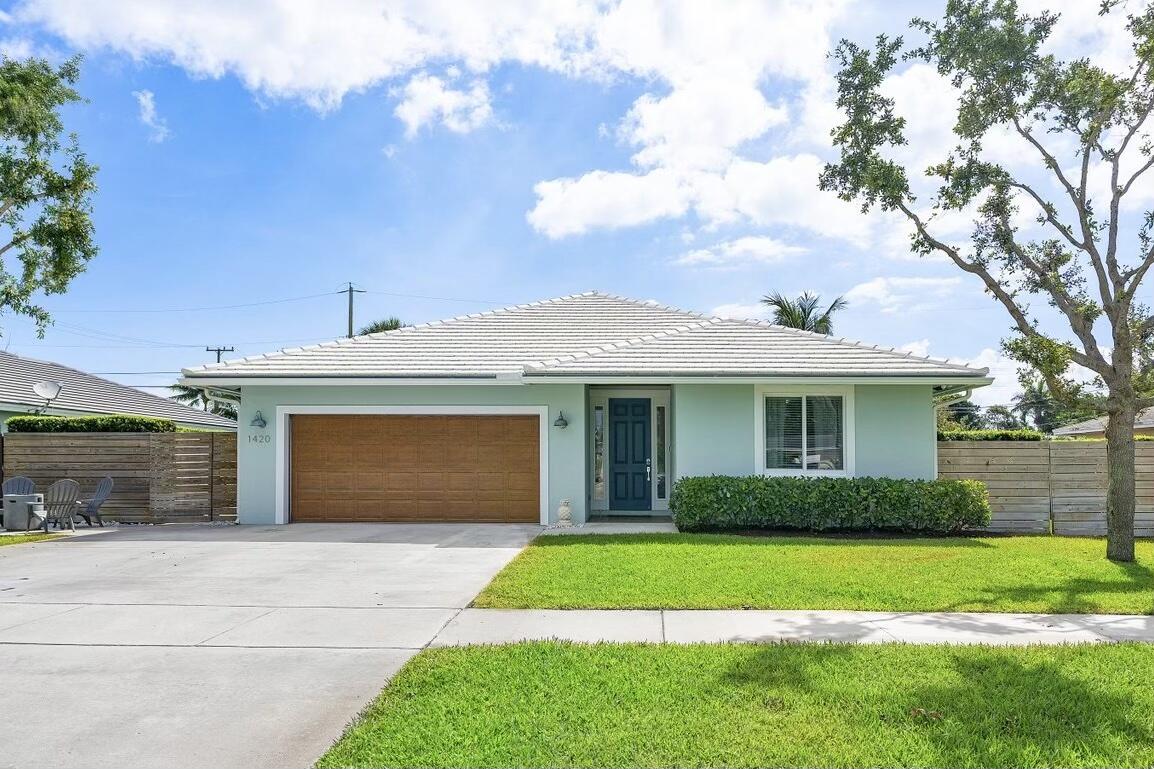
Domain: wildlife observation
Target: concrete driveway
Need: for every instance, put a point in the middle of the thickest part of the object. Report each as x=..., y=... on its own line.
x=237, y=646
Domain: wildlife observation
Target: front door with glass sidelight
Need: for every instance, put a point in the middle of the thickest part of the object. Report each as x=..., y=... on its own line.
x=629, y=450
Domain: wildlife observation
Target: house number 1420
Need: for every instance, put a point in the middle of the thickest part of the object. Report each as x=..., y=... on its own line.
x=259, y=438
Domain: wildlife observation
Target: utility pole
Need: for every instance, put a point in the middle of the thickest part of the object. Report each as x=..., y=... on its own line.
x=350, y=291
x=219, y=350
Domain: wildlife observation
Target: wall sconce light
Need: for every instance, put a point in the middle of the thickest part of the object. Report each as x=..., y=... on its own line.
x=561, y=421
x=258, y=421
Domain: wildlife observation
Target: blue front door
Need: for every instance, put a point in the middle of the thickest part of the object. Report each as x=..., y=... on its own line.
x=630, y=455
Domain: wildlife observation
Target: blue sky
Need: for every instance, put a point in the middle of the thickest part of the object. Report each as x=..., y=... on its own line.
x=448, y=165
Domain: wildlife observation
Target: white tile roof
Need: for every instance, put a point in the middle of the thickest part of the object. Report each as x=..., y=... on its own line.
x=591, y=334
x=89, y=394
x=1144, y=420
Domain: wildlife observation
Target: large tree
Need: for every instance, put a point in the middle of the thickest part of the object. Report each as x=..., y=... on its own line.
x=1077, y=249
x=46, y=185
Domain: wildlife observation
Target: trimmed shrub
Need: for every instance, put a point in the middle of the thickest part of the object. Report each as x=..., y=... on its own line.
x=990, y=435
x=726, y=502
x=100, y=423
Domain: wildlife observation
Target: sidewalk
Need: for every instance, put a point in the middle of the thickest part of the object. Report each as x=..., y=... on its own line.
x=496, y=626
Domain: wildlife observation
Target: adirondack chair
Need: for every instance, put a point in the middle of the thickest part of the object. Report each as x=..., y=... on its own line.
x=60, y=503
x=91, y=507
x=19, y=485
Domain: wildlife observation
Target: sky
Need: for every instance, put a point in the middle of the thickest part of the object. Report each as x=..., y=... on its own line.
x=451, y=158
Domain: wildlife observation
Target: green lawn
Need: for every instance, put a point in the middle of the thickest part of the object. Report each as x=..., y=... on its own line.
x=554, y=704
x=706, y=571
x=16, y=539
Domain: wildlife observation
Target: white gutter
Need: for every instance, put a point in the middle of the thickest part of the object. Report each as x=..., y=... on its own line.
x=386, y=381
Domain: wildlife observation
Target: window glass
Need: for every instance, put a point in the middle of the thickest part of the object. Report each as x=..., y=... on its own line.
x=823, y=432
x=599, y=452
x=659, y=451
x=783, y=438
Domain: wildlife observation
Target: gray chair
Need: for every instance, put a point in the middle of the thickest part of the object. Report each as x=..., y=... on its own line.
x=19, y=485
x=60, y=503
x=91, y=507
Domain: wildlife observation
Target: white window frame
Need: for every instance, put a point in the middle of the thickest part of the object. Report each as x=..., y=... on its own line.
x=846, y=393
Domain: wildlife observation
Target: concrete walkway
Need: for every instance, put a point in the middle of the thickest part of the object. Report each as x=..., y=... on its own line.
x=494, y=626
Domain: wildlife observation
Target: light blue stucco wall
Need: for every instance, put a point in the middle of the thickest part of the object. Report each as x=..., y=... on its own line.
x=256, y=460
x=894, y=430
x=712, y=429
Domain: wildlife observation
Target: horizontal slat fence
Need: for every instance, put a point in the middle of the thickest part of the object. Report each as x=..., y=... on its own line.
x=1017, y=474
x=1043, y=486
x=158, y=477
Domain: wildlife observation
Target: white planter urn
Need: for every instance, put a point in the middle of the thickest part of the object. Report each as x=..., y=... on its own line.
x=565, y=513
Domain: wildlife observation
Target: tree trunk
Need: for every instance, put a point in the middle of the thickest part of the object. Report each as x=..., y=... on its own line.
x=1120, y=477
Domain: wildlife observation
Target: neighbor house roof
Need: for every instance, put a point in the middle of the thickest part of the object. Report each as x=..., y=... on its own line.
x=590, y=334
x=1145, y=419
x=89, y=394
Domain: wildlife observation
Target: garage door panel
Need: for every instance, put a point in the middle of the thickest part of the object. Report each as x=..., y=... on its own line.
x=415, y=468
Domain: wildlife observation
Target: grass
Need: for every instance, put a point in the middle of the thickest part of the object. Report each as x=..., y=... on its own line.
x=18, y=539
x=552, y=704
x=707, y=571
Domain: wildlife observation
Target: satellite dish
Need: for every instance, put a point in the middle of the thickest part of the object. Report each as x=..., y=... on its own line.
x=48, y=390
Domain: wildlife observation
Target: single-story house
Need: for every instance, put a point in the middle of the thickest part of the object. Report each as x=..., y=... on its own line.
x=1096, y=427
x=84, y=394
x=597, y=401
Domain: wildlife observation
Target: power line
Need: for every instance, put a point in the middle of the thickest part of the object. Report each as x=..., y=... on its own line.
x=203, y=309
x=219, y=350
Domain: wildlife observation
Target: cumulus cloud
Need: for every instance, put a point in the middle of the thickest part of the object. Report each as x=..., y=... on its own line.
x=158, y=127
x=903, y=294
x=428, y=99
x=741, y=252
x=607, y=199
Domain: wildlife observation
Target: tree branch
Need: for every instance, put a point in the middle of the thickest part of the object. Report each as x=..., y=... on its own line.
x=1095, y=363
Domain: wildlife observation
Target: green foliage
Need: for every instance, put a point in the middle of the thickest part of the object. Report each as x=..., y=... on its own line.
x=723, y=502
x=46, y=186
x=391, y=323
x=990, y=435
x=219, y=402
x=805, y=312
x=101, y=423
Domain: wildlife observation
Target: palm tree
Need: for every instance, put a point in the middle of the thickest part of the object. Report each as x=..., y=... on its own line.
x=804, y=312
x=1035, y=404
x=218, y=403
x=385, y=324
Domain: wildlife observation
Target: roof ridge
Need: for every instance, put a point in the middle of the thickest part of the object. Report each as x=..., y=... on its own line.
x=405, y=329
x=850, y=342
x=623, y=344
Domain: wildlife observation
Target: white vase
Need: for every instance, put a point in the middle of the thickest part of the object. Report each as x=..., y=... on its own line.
x=564, y=513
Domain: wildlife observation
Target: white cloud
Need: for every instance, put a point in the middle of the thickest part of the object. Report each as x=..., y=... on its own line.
x=1005, y=374
x=919, y=347
x=158, y=127
x=740, y=311
x=429, y=99
x=750, y=250
x=706, y=65
x=607, y=199
x=902, y=294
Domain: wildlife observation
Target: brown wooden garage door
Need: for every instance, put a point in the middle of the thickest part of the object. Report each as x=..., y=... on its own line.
x=380, y=467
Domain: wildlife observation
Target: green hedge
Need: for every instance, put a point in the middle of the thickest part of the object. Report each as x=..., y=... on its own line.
x=724, y=502
x=103, y=423
x=990, y=435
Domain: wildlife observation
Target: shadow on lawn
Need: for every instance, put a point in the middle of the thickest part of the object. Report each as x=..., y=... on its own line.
x=967, y=706
x=1078, y=595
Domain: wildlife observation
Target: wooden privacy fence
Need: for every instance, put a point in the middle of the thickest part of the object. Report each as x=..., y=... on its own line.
x=159, y=477
x=1043, y=486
